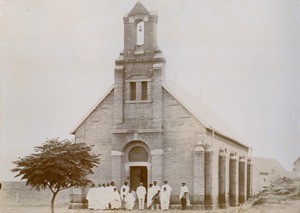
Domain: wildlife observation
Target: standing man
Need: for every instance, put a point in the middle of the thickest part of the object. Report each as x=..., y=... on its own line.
x=169, y=190
x=155, y=187
x=149, y=194
x=141, y=193
x=183, y=196
x=129, y=199
x=116, y=201
x=126, y=187
x=164, y=199
x=98, y=196
x=112, y=184
x=110, y=191
x=91, y=197
x=103, y=197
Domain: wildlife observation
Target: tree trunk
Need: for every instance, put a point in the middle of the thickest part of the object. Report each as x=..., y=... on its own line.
x=52, y=201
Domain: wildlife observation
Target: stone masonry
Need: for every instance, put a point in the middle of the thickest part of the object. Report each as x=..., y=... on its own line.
x=142, y=113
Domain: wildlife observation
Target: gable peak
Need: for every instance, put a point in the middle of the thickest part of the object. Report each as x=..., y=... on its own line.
x=139, y=8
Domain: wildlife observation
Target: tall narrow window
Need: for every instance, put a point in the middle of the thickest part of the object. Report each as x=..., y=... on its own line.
x=144, y=90
x=132, y=91
x=140, y=33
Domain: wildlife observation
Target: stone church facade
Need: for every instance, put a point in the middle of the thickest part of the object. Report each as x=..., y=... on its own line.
x=147, y=128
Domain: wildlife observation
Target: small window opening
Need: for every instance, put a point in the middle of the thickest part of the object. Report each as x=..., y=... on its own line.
x=132, y=91
x=144, y=91
x=140, y=33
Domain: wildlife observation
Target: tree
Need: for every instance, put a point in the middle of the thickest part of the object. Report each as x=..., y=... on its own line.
x=57, y=165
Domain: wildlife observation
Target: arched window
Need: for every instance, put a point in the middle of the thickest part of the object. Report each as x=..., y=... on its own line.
x=140, y=33
x=138, y=154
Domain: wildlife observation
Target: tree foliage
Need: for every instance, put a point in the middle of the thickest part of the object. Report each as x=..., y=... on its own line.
x=57, y=165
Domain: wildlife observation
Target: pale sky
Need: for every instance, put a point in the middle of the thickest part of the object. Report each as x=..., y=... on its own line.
x=241, y=56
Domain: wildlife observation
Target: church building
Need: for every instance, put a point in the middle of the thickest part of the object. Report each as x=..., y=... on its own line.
x=147, y=128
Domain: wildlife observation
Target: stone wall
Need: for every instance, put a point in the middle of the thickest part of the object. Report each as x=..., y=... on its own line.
x=181, y=134
x=96, y=130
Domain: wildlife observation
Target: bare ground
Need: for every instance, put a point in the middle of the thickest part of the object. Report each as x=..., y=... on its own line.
x=283, y=196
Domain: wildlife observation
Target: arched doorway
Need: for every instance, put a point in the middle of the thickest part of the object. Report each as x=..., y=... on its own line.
x=137, y=163
x=138, y=174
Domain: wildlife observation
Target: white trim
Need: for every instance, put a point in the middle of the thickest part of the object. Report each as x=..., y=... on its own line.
x=158, y=65
x=138, y=80
x=157, y=152
x=129, y=164
x=116, y=153
x=120, y=67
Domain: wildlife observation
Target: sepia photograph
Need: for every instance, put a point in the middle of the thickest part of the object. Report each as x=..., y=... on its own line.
x=147, y=105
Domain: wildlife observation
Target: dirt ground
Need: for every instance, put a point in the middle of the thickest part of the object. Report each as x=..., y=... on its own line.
x=283, y=196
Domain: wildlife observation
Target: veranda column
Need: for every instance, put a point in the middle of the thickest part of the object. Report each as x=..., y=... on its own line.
x=249, y=178
x=233, y=181
x=242, y=180
x=222, y=179
x=116, y=167
x=208, y=197
x=199, y=156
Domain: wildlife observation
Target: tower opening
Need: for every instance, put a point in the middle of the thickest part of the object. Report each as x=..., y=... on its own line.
x=140, y=33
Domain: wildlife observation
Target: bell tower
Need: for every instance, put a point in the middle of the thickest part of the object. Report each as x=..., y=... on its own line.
x=138, y=95
x=139, y=72
x=140, y=27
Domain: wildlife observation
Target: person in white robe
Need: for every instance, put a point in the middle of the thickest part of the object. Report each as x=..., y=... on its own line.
x=149, y=195
x=126, y=187
x=97, y=197
x=124, y=191
x=123, y=194
x=164, y=199
x=91, y=197
x=113, y=185
x=103, y=198
x=155, y=201
x=129, y=199
x=155, y=187
x=109, y=194
x=141, y=193
x=116, y=200
x=169, y=190
x=184, y=196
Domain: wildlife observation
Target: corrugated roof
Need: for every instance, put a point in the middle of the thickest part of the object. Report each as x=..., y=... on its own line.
x=268, y=165
x=195, y=106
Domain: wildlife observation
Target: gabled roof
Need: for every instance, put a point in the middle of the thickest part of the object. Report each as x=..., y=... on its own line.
x=267, y=165
x=92, y=109
x=201, y=112
x=194, y=105
x=138, y=9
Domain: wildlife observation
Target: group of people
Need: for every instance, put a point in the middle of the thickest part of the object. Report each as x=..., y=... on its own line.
x=107, y=196
x=104, y=196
